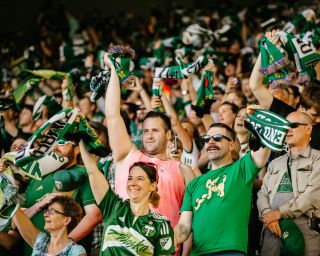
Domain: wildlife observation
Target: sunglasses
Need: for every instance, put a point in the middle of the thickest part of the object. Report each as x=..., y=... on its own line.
x=296, y=124
x=216, y=138
x=65, y=142
x=52, y=211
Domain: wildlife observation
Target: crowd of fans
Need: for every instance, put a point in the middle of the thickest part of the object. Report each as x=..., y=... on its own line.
x=182, y=171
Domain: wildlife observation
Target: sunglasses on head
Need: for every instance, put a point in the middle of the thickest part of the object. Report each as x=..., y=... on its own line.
x=62, y=142
x=216, y=138
x=296, y=124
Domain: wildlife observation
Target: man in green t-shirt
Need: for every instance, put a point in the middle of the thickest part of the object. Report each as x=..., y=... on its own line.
x=216, y=205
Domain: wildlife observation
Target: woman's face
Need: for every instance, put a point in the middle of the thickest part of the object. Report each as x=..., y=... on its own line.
x=239, y=122
x=139, y=186
x=225, y=115
x=54, y=218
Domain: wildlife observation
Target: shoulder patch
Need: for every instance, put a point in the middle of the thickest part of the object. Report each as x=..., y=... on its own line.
x=157, y=216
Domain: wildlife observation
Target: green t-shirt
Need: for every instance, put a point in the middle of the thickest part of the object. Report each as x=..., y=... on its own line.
x=38, y=188
x=220, y=201
x=125, y=234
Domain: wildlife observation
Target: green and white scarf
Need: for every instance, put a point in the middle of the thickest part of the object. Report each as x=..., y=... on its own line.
x=301, y=52
x=271, y=128
x=67, y=92
x=205, y=95
x=52, y=105
x=120, y=57
x=181, y=71
x=23, y=87
x=68, y=124
x=272, y=59
x=44, y=139
x=157, y=92
x=9, y=197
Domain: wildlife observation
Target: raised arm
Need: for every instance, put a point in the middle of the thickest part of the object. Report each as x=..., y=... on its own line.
x=99, y=184
x=28, y=231
x=260, y=157
x=177, y=127
x=116, y=126
x=262, y=94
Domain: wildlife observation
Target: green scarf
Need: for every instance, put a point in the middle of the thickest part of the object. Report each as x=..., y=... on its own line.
x=157, y=92
x=205, y=95
x=183, y=70
x=301, y=52
x=69, y=124
x=9, y=197
x=52, y=105
x=23, y=87
x=271, y=128
x=67, y=92
x=271, y=57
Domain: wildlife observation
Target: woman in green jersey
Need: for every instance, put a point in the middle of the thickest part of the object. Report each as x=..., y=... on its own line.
x=130, y=227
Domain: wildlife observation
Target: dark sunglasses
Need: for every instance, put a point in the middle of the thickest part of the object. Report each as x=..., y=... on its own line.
x=296, y=124
x=216, y=138
x=52, y=211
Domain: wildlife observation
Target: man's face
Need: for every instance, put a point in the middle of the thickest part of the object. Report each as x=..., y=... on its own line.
x=86, y=107
x=315, y=117
x=25, y=117
x=66, y=150
x=217, y=151
x=154, y=136
x=299, y=135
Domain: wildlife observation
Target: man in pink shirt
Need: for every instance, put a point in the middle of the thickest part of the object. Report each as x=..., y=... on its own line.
x=156, y=132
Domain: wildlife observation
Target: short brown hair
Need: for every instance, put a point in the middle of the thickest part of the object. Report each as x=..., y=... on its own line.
x=310, y=98
x=70, y=209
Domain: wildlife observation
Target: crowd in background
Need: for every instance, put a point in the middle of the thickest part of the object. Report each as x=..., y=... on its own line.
x=75, y=44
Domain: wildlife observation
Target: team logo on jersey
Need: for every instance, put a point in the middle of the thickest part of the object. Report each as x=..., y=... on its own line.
x=148, y=230
x=166, y=243
x=212, y=187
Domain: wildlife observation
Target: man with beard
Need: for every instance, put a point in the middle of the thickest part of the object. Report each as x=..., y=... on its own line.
x=39, y=190
x=216, y=205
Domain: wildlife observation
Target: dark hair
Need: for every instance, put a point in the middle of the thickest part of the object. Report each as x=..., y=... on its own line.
x=70, y=208
x=229, y=130
x=152, y=172
x=234, y=107
x=165, y=119
x=310, y=97
x=295, y=90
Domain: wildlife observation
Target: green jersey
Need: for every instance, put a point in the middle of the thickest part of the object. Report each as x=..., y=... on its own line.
x=126, y=234
x=220, y=201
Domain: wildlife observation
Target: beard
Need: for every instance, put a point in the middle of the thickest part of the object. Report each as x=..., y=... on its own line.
x=215, y=153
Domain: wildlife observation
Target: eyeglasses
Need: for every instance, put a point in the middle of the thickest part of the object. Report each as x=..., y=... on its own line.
x=216, y=138
x=52, y=211
x=63, y=142
x=296, y=124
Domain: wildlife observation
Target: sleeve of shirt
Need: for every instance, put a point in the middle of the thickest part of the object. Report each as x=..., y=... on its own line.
x=247, y=168
x=86, y=195
x=109, y=204
x=165, y=242
x=187, y=199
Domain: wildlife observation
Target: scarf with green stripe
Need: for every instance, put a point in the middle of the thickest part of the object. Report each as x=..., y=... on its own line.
x=68, y=124
x=23, y=87
x=49, y=101
x=9, y=197
x=67, y=92
x=182, y=70
x=271, y=128
x=205, y=95
x=301, y=52
x=157, y=92
x=121, y=58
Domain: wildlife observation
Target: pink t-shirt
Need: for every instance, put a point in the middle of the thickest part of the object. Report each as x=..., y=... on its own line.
x=170, y=185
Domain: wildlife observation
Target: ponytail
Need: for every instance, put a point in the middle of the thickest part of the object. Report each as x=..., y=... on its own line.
x=154, y=199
